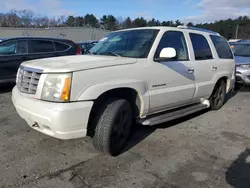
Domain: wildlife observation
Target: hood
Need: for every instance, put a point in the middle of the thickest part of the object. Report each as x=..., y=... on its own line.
x=77, y=63
x=240, y=60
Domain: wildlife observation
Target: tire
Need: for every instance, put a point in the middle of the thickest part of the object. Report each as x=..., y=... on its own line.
x=218, y=96
x=113, y=127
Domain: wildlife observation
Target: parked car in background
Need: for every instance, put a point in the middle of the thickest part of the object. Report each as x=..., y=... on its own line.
x=241, y=52
x=86, y=46
x=14, y=51
x=234, y=40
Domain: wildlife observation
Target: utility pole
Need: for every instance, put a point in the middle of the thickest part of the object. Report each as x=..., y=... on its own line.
x=237, y=31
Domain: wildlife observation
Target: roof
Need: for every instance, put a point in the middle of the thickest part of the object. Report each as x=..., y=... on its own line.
x=33, y=37
x=175, y=28
x=87, y=42
x=234, y=40
x=241, y=42
x=244, y=41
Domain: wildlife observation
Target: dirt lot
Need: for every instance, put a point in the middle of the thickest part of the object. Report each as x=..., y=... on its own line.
x=208, y=149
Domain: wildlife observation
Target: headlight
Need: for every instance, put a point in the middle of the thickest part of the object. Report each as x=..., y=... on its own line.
x=245, y=66
x=57, y=87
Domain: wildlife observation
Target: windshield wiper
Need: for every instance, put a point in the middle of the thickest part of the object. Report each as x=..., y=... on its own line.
x=111, y=53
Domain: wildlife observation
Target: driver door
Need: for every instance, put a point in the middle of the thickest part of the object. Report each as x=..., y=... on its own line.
x=172, y=82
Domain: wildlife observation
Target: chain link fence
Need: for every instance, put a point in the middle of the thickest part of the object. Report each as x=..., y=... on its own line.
x=77, y=34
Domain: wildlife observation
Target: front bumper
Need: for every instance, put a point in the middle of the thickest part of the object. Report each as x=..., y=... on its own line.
x=59, y=120
x=243, y=76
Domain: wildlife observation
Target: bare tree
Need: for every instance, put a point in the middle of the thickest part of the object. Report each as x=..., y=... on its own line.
x=61, y=20
x=13, y=19
x=53, y=22
x=27, y=17
x=41, y=21
x=2, y=20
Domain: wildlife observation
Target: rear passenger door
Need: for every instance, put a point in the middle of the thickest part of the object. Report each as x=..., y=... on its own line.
x=41, y=49
x=205, y=65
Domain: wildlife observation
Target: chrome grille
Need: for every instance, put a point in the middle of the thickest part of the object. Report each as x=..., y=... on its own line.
x=27, y=79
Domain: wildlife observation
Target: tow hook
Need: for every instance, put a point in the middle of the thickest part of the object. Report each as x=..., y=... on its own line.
x=35, y=125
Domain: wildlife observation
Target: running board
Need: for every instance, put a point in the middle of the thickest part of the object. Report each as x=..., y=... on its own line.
x=172, y=114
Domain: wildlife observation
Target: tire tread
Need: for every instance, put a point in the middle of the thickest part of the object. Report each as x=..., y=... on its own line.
x=106, y=115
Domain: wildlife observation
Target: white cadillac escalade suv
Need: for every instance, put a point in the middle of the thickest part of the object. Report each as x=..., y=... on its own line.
x=146, y=75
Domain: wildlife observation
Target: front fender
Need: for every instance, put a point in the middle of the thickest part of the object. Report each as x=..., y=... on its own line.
x=94, y=91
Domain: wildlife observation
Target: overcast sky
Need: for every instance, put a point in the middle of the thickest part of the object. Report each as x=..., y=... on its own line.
x=185, y=10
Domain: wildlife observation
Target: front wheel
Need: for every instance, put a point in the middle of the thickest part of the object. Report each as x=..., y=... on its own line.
x=113, y=126
x=218, y=96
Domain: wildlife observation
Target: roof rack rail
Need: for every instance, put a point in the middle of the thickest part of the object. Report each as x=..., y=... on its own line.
x=197, y=29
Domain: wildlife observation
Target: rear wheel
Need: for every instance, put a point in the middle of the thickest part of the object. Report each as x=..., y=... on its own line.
x=113, y=126
x=218, y=96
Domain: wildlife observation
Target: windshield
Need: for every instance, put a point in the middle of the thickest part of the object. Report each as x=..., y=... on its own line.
x=131, y=43
x=241, y=50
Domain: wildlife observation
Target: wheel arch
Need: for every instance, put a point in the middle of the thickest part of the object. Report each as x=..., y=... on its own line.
x=136, y=92
x=227, y=81
x=226, y=76
x=117, y=87
x=130, y=94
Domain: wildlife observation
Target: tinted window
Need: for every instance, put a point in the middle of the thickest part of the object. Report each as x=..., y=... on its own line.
x=38, y=46
x=22, y=47
x=8, y=48
x=61, y=46
x=201, y=47
x=176, y=40
x=222, y=47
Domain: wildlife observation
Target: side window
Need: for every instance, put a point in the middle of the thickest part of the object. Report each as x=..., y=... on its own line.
x=61, y=46
x=40, y=46
x=222, y=47
x=22, y=47
x=8, y=48
x=201, y=47
x=176, y=40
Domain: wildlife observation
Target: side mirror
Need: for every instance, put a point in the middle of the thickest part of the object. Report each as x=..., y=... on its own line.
x=167, y=53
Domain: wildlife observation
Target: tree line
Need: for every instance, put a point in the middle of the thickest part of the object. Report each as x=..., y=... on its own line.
x=229, y=28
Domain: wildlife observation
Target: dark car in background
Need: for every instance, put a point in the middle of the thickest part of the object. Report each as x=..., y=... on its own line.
x=14, y=51
x=86, y=46
x=241, y=52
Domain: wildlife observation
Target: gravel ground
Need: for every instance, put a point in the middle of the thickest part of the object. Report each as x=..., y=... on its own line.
x=207, y=149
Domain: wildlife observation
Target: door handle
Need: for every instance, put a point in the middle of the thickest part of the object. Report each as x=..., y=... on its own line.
x=214, y=68
x=190, y=70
